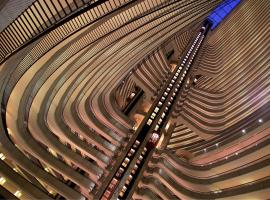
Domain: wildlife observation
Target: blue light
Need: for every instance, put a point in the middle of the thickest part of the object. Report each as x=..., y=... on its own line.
x=227, y=8
x=221, y=11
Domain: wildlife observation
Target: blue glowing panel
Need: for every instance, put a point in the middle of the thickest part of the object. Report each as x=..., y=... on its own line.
x=222, y=14
x=221, y=11
x=234, y=3
x=227, y=8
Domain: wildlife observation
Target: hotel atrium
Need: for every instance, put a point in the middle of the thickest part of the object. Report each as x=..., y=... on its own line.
x=135, y=99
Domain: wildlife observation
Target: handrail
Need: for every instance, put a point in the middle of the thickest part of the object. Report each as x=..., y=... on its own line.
x=44, y=16
x=258, y=184
x=168, y=163
x=262, y=142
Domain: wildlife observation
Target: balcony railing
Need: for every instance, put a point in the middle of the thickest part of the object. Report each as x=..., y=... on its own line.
x=44, y=16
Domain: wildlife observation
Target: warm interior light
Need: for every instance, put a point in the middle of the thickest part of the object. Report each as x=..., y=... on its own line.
x=2, y=181
x=15, y=169
x=2, y=156
x=53, y=152
x=18, y=193
x=167, y=126
x=160, y=141
x=9, y=131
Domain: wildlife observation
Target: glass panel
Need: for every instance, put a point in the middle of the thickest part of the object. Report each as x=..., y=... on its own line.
x=221, y=11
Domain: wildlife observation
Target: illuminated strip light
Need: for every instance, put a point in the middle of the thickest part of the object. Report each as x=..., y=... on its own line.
x=127, y=160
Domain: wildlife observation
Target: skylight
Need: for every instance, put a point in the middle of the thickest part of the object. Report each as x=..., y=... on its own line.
x=221, y=11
